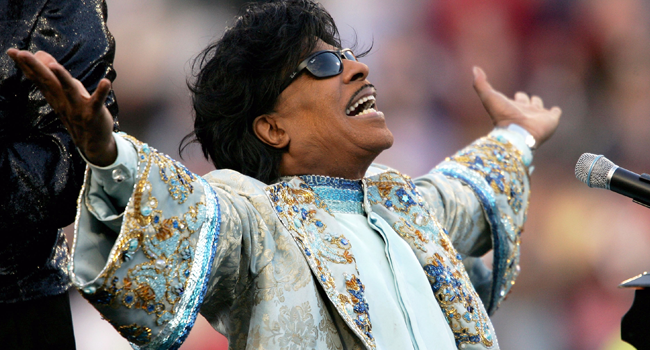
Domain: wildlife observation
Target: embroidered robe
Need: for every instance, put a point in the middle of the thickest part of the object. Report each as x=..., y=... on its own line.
x=267, y=266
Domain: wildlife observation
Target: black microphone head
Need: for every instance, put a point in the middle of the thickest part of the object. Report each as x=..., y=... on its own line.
x=595, y=170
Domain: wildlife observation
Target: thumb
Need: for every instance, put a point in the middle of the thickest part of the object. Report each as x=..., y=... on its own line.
x=101, y=93
x=481, y=85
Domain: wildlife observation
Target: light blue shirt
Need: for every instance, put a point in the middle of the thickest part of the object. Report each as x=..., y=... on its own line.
x=403, y=309
x=404, y=312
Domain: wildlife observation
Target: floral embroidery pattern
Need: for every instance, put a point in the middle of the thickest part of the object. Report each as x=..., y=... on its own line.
x=152, y=263
x=293, y=329
x=442, y=264
x=289, y=274
x=327, y=328
x=501, y=166
x=411, y=233
x=296, y=206
x=450, y=292
x=177, y=177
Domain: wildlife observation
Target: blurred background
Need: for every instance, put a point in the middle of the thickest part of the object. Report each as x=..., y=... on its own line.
x=590, y=57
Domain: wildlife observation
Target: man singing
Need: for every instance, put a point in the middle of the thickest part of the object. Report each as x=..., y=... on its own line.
x=298, y=240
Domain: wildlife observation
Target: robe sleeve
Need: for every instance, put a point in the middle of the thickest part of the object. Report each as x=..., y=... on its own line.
x=150, y=249
x=480, y=196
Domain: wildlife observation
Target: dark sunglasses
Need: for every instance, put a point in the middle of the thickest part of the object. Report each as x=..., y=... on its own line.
x=324, y=64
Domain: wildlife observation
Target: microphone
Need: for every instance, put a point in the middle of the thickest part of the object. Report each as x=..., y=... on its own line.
x=599, y=172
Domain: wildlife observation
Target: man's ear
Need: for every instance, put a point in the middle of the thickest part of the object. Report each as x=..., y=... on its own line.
x=270, y=132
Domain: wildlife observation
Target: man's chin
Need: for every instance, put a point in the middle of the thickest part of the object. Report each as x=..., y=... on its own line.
x=383, y=143
x=388, y=140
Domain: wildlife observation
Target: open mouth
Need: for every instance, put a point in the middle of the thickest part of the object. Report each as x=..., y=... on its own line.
x=362, y=106
x=362, y=102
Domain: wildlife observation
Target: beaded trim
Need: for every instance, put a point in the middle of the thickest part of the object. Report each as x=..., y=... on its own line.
x=157, y=271
x=492, y=168
x=452, y=287
x=307, y=218
x=340, y=195
x=177, y=330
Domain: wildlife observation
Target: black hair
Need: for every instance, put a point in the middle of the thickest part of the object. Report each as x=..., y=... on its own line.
x=241, y=76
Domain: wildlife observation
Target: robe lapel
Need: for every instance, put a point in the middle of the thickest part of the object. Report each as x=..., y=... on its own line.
x=327, y=251
x=393, y=196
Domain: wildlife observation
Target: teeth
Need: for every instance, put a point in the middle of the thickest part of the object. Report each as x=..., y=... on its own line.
x=358, y=103
x=369, y=110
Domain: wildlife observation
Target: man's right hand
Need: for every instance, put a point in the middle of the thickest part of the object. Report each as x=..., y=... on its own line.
x=86, y=117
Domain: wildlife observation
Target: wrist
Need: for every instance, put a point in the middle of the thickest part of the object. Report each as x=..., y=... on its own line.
x=101, y=155
x=516, y=136
x=529, y=139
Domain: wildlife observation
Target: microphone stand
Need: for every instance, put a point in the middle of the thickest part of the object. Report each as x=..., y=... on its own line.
x=635, y=325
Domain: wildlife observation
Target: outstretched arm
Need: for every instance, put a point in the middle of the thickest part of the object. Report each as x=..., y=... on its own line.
x=500, y=161
x=480, y=194
x=85, y=116
x=173, y=245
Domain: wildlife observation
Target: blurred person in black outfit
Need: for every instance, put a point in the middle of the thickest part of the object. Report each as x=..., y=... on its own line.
x=41, y=173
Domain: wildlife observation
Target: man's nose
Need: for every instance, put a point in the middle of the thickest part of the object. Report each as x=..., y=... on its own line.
x=354, y=71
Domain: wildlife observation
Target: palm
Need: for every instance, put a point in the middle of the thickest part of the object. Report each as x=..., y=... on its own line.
x=528, y=113
x=87, y=119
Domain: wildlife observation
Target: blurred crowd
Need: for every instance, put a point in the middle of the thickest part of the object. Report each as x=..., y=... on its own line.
x=590, y=57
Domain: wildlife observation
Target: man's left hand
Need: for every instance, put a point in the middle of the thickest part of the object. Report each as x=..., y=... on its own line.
x=527, y=112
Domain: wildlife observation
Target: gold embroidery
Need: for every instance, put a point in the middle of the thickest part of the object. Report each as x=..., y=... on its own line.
x=155, y=285
x=296, y=209
x=408, y=232
x=499, y=164
x=449, y=281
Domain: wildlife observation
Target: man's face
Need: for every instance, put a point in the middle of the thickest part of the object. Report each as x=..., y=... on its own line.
x=316, y=113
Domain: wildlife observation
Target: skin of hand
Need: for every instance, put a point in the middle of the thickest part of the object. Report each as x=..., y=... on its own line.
x=85, y=116
x=527, y=112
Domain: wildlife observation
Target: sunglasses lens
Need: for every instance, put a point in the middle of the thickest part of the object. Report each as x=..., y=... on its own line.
x=349, y=55
x=325, y=65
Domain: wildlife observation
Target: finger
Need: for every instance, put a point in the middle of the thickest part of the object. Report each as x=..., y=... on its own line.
x=537, y=102
x=41, y=75
x=73, y=89
x=45, y=57
x=522, y=97
x=101, y=93
x=12, y=53
x=15, y=55
x=481, y=84
x=556, y=111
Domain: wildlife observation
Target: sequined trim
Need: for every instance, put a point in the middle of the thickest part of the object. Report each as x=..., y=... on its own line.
x=303, y=213
x=333, y=182
x=486, y=195
x=441, y=262
x=492, y=167
x=177, y=177
x=158, y=268
x=178, y=328
x=341, y=195
x=499, y=164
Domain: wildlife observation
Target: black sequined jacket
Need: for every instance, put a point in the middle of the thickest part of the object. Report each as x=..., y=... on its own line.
x=40, y=171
